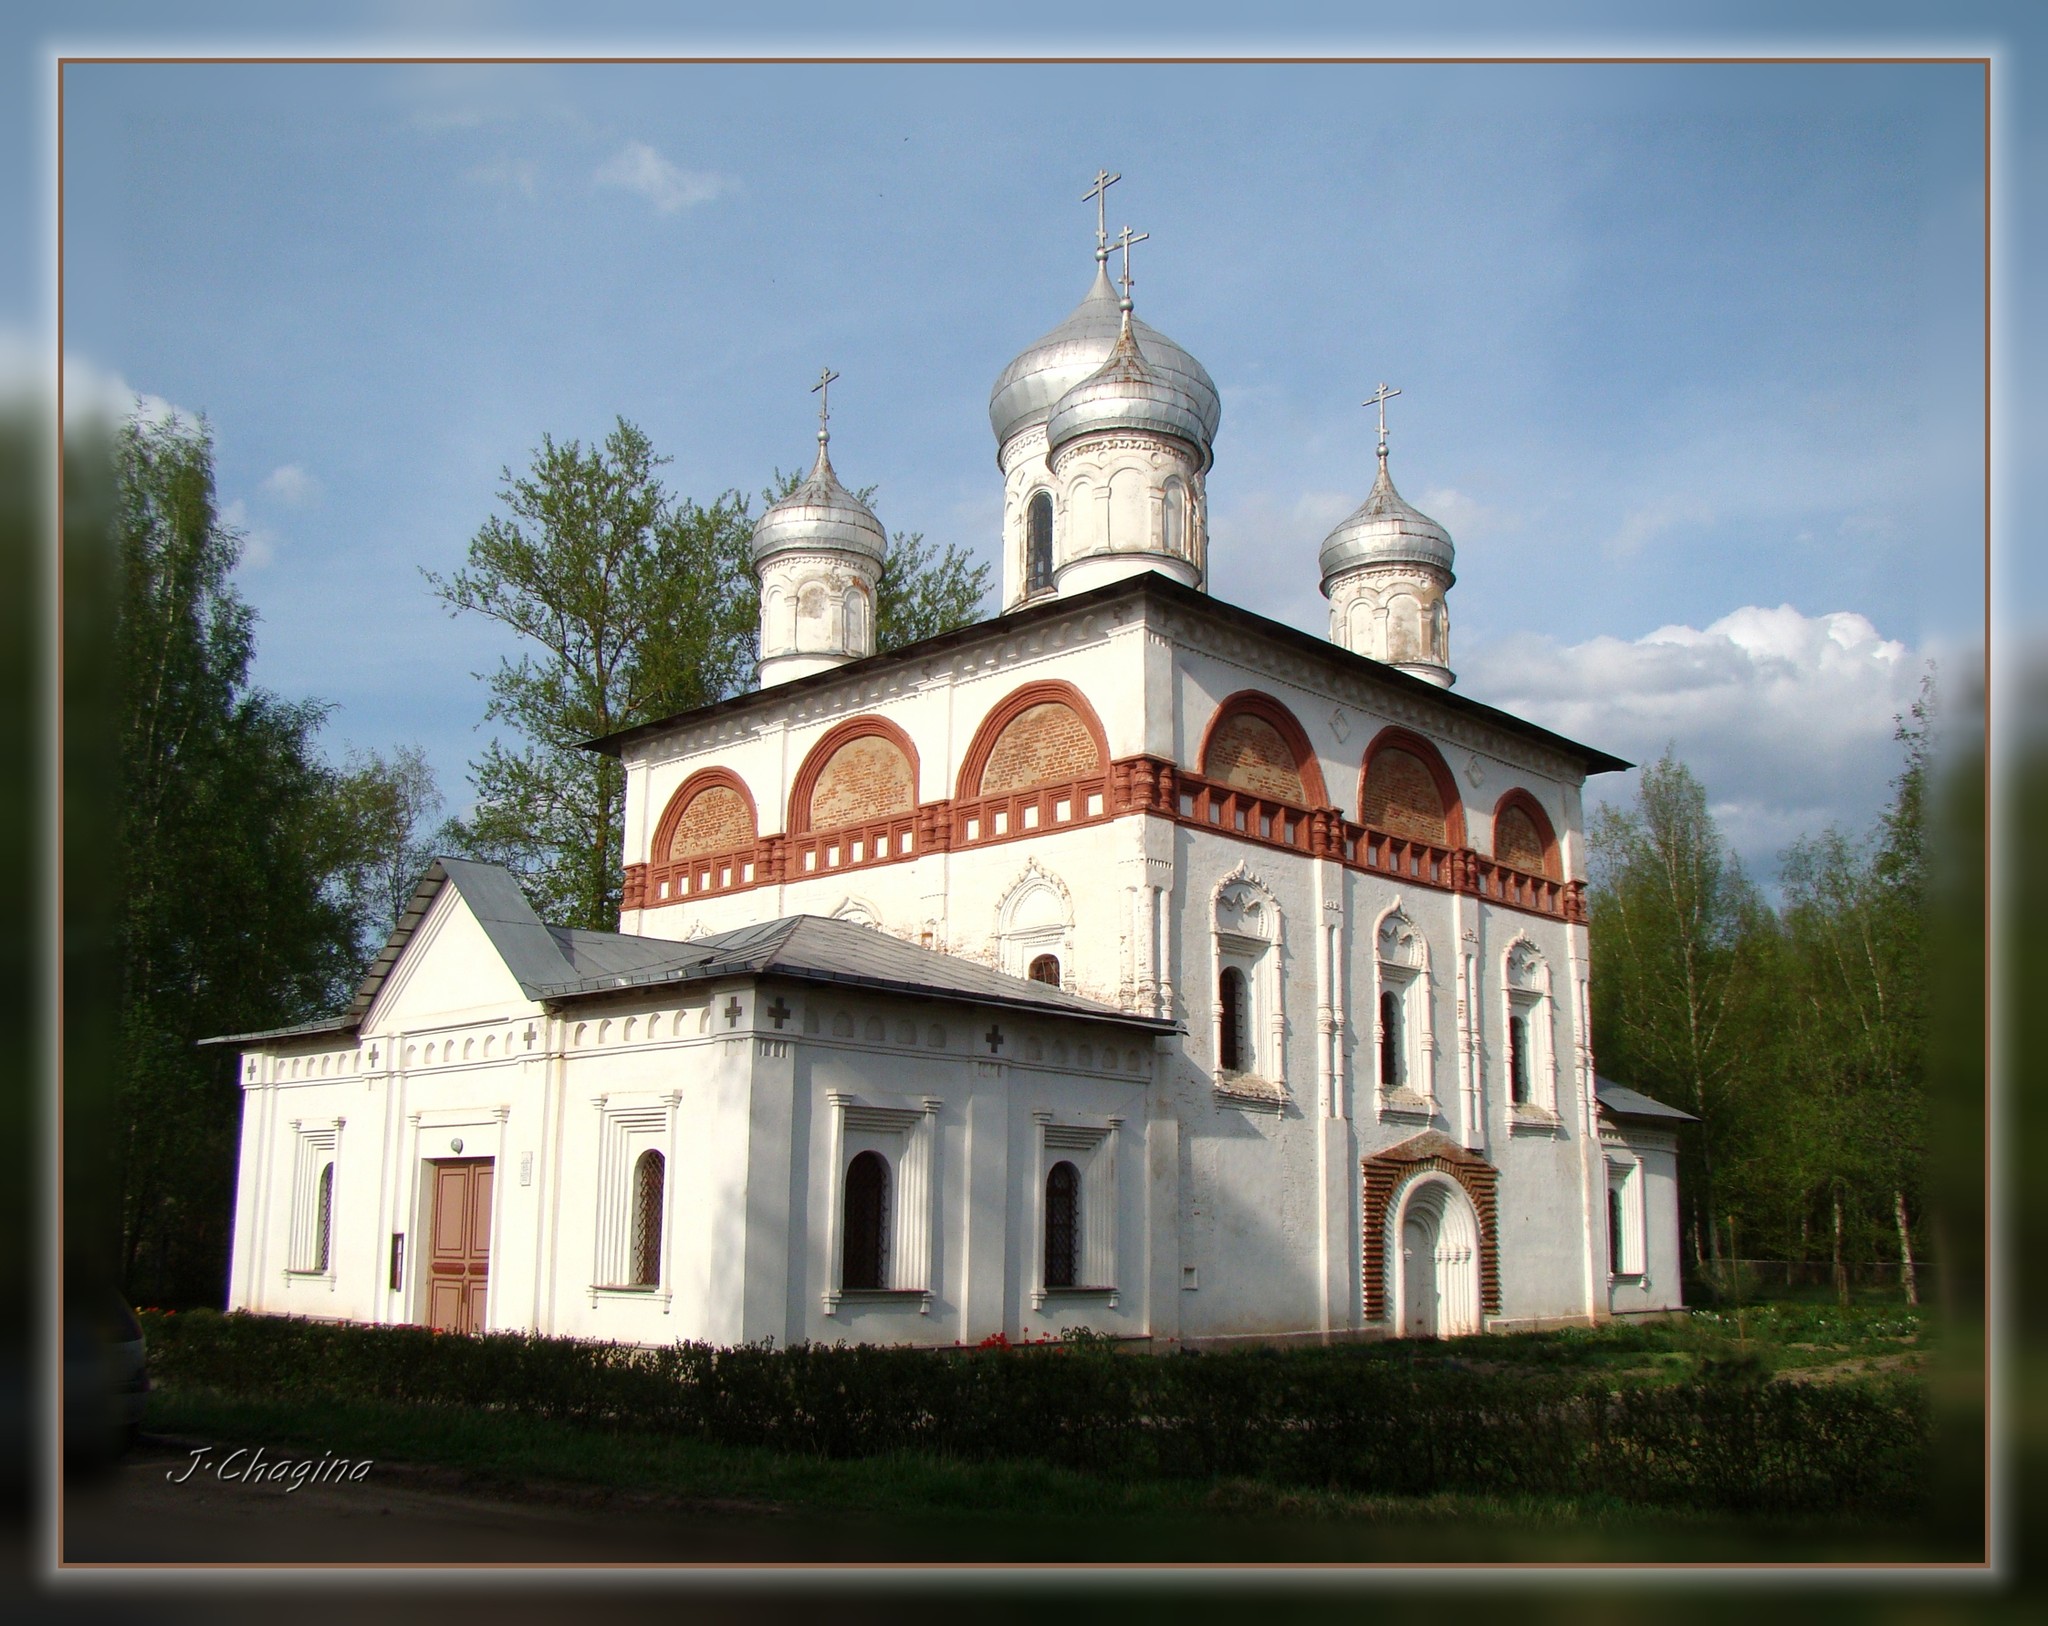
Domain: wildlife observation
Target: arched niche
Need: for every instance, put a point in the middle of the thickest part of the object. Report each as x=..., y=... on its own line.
x=1523, y=837
x=1254, y=743
x=1415, y=805
x=711, y=812
x=861, y=770
x=1040, y=734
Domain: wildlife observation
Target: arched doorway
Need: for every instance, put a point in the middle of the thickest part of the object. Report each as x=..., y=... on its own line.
x=1436, y=1253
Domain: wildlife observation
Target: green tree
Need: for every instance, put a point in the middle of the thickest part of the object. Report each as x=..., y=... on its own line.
x=231, y=915
x=631, y=604
x=1853, y=912
x=387, y=818
x=1671, y=913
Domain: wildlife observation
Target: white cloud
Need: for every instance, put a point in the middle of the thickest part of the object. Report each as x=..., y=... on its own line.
x=1642, y=526
x=259, y=544
x=637, y=167
x=1787, y=719
x=91, y=392
x=519, y=175
x=291, y=485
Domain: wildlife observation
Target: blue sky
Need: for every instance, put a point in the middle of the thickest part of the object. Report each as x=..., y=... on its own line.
x=1690, y=356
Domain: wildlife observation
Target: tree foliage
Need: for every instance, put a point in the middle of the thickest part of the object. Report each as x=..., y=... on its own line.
x=1796, y=1034
x=233, y=852
x=631, y=604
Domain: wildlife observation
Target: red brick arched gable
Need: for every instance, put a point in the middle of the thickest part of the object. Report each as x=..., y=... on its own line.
x=1255, y=703
x=1395, y=738
x=1521, y=801
x=1049, y=692
x=661, y=849
x=804, y=791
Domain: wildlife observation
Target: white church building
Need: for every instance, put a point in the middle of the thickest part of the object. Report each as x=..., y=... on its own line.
x=1127, y=960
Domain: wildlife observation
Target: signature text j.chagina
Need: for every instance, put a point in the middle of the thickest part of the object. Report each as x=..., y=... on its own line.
x=249, y=1467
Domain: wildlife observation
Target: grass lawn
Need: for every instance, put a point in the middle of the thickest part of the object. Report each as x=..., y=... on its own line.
x=907, y=1506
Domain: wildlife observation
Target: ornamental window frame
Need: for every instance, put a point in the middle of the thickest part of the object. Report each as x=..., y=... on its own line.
x=1627, y=1247
x=1247, y=935
x=310, y=1249
x=1090, y=1147
x=1526, y=1000
x=627, y=1130
x=1401, y=974
x=1041, y=898
x=905, y=1140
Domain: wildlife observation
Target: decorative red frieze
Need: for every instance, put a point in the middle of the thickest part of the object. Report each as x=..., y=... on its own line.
x=1140, y=784
x=1384, y=1173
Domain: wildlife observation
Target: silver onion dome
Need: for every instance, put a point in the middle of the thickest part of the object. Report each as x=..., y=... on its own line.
x=1385, y=529
x=1126, y=393
x=1032, y=385
x=819, y=514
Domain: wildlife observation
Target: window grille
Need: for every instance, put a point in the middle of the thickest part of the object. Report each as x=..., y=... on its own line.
x=1231, y=996
x=1518, y=1058
x=649, y=1177
x=1392, y=1072
x=867, y=1223
x=1062, y=1225
x=1615, y=1234
x=323, y=1219
x=1046, y=969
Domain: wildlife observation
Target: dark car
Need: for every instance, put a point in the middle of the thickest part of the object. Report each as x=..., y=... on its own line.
x=106, y=1379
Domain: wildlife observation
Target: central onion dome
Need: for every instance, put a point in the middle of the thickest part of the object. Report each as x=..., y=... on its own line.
x=1127, y=395
x=819, y=515
x=1032, y=385
x=1386, y=530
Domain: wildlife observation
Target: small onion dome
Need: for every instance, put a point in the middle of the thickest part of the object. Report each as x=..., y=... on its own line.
x=1128, y=395
x=821, y=514
x=1032, y=385
x=1386, y=530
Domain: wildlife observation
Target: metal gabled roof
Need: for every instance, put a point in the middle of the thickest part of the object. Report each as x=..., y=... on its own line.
x=1624, y=1102
x=552, y=963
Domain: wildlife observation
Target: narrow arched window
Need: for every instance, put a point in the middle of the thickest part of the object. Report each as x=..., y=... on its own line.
x=649, y=1178
x=323, y=1219
x=1518, y=1058
x=864, y=1261
x=1390, y=1039
x=1231, y=1048
x=1615, y=1235
x=1062, y=1226
x=1176, y=517
x=1045, y=969
x=1038, y=544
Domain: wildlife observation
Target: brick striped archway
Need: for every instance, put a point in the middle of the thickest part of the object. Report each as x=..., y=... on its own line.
x=1386, y=1172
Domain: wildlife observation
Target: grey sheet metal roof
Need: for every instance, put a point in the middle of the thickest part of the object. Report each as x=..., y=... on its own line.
x=564, y=962
x=1149, y=583
x=1627, y=1103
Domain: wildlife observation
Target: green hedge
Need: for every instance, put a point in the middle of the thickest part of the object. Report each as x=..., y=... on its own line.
x=1317, y=1416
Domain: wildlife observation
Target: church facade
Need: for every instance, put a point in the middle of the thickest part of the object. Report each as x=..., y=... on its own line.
x=1126, y=960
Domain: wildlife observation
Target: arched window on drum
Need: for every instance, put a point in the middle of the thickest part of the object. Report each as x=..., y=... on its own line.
x=1038, y=544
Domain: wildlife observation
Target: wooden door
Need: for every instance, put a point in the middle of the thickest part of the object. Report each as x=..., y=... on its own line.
x=459, y=1257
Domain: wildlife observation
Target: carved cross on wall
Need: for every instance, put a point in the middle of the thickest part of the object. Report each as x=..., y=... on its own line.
x=779, y=1013
x=994, y=1037
x=732, y=1011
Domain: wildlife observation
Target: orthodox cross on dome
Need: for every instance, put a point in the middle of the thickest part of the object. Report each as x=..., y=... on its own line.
x=1124, y=241
x=1100, y=193
x=823, y=391
x=1379, y=399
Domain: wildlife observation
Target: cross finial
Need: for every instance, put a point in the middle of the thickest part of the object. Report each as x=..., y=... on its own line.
x=823, y=391
x=1124, y=241
x=1379, y=399
x=1100, y=193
